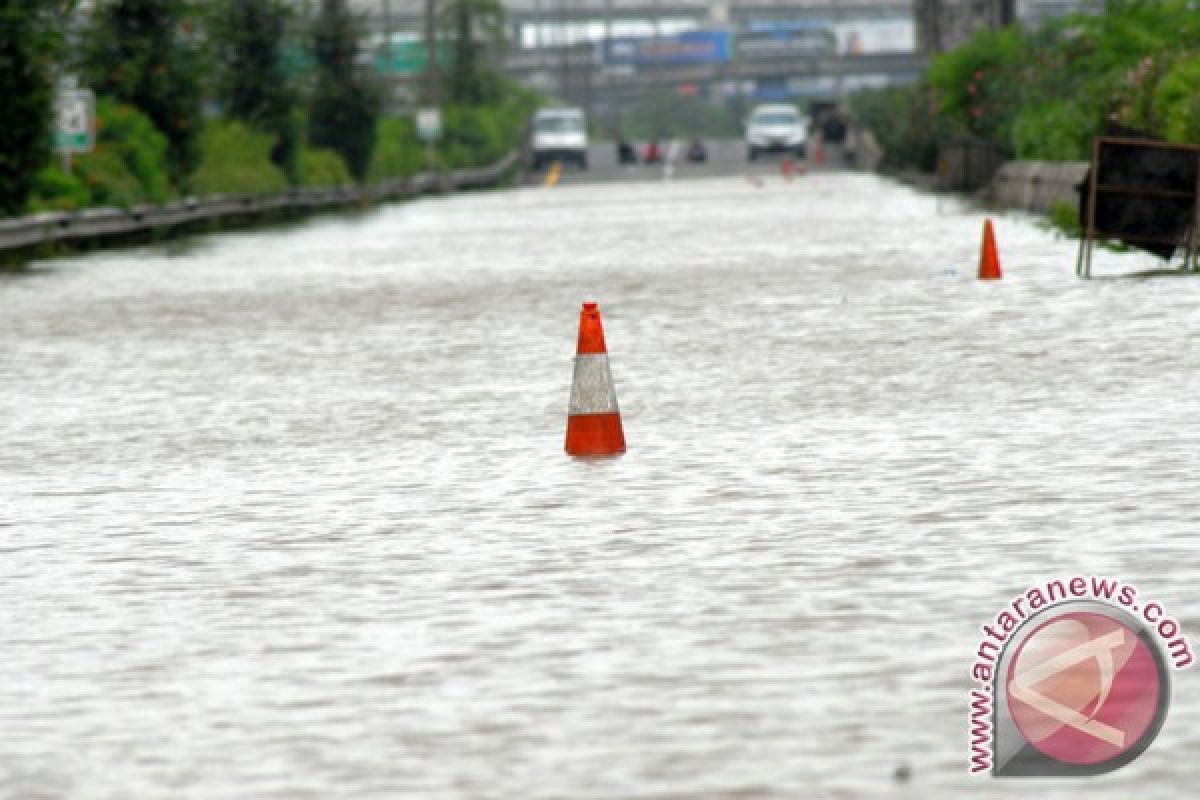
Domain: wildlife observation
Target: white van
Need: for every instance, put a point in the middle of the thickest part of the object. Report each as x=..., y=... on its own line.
x=777, y=128
x=559, y=134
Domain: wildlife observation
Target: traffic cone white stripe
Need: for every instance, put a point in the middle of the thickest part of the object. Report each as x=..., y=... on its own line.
x=592, y=389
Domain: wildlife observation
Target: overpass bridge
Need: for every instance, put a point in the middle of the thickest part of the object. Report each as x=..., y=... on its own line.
x=409, y=14
x=578, y=76
x=562, y=46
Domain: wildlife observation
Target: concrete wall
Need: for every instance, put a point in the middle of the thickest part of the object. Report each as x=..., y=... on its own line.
x=1037, y=185
x=967, y=165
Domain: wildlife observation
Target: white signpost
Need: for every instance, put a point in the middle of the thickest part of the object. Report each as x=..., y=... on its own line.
x=429, y=124
x=429, y=129
x=75, y=123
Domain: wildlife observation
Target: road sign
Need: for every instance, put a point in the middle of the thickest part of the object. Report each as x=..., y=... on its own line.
x=75, y=125
x=689, y=47
x=410, y=57
x=429, y=124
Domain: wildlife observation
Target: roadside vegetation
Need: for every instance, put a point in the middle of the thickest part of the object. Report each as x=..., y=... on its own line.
x=666, y=114
x=211, y=98
x=1045, y=94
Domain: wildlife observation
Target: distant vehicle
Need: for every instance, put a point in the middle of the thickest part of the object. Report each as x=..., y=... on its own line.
x=625, y=152
x=696, y=153
x=776, y=129
x=559, y=134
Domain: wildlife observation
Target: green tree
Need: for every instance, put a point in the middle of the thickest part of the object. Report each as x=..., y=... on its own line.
x=146, y=53
x=253, y=87
x=28, y=46
x=346, y=102
x=474, y=23
x=664, y=112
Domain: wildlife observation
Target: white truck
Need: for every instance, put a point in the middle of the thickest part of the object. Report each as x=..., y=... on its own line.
x=559, y=134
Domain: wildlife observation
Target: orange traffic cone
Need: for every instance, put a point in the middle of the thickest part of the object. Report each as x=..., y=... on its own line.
x=787, y=168
x=989, y=260
x=593, y=419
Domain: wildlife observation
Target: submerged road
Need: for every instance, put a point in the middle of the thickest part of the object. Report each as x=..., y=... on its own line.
x=286, y=512
x=726, y=158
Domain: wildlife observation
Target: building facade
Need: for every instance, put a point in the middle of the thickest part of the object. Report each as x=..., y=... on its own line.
x=946, y=24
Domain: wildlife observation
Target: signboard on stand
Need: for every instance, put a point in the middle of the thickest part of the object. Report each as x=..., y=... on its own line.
x=74, y=123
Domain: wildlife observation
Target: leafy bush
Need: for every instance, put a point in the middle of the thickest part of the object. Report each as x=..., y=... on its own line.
x=478, y=135
x=141, y=147
x=1177, y=101
x=253, y=83
x=978, y=89
x=398, y=151
x=903, y=124
x=1045, y=94
x=55, y=190
x=321, y=167
x=1064, y=217
x=471, y=136
x=236, y=159
x=110, y=180
x=1057, y=131
x=128, y=166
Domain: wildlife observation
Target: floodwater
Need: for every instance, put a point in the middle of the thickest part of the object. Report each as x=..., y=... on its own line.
x=285, y=514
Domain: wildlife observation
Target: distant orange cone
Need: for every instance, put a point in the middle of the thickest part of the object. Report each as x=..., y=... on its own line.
x=787, y=168
x=989, y=260
x=593, y=419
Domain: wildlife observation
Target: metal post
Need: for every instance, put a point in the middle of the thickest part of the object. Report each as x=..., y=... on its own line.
x=433, y=89
x=387, y=26
x=387, y=38
x=933, y=25
x=735, y=62
x=537, y=30
x=564, y=67
x=654, y=66
x=1091, y=220
x=1192, y=236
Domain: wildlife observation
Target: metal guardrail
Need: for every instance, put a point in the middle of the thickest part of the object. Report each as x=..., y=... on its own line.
x=20, y=232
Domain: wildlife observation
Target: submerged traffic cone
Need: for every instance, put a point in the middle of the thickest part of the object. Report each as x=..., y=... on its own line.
x=593, y=419
x=989, y=260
